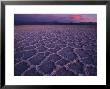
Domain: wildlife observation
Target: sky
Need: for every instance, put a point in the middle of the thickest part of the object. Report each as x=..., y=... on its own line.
x=53, y=18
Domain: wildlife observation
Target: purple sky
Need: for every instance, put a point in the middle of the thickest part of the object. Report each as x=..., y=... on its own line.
x=61, y=18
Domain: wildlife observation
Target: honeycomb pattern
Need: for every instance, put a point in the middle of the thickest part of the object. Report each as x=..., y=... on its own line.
x=55, y=50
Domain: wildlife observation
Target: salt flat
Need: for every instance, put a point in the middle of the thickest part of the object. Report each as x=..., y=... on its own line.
x=55, y=50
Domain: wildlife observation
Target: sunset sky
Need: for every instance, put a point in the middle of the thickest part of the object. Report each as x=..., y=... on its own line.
x=60, y=18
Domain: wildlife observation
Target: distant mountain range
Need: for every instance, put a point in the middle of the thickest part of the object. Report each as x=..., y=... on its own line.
x=52, y=19
x=55, y=23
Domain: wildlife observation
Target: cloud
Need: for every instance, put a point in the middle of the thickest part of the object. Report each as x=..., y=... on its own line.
x=60, y=18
